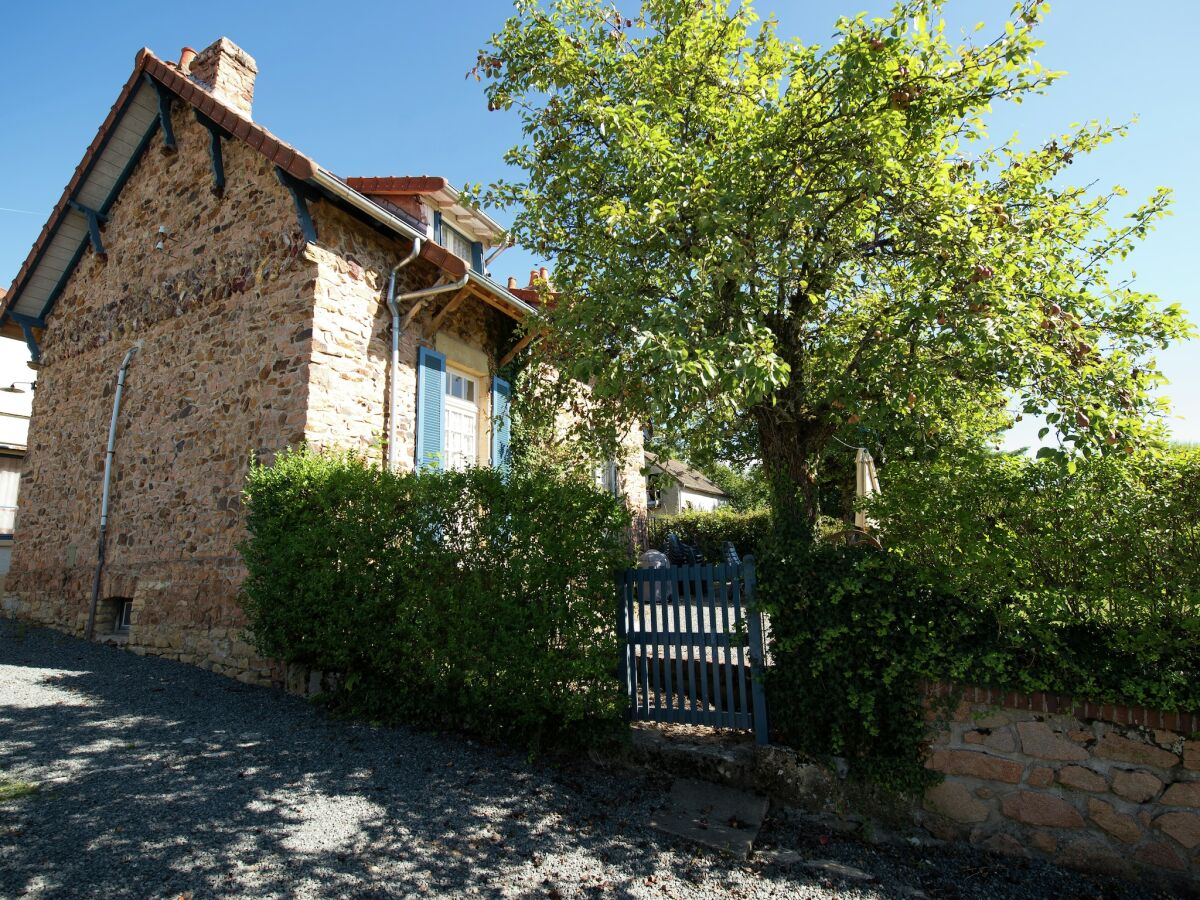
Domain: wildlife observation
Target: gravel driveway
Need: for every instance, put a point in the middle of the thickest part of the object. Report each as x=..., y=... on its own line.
x=157, y=779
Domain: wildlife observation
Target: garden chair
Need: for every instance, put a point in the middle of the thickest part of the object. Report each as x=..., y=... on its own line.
x=674, y=548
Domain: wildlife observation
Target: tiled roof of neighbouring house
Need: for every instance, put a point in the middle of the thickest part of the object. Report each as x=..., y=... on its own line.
x=688, y=478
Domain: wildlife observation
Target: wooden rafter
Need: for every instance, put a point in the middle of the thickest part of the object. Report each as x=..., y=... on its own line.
x=521, y=345
x=500, y=305
x=451, y=305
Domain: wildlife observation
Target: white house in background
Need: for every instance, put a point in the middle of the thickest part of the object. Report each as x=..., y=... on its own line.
x=16, y=398
x=673, y=487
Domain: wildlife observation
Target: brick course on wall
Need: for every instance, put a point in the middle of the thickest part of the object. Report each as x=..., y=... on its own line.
x=1099, y=787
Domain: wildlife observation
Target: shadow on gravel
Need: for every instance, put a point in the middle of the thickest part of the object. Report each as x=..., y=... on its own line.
x=157, y=778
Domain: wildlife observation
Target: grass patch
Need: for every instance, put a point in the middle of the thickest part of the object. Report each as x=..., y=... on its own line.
x=15, y=789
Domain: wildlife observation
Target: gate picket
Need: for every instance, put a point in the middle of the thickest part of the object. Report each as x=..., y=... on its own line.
x=718, y=594
x=643, y=648
x=655, y=666
x=624, y=625
x=686, y=649
x=744, y=707
x=700, y=658
x=756, y=657
x=661, y=603
x=688, y=624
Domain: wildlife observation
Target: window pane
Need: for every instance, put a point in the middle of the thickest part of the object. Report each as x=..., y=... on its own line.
x=456, y=242
x=462, y=432
x=10, y=483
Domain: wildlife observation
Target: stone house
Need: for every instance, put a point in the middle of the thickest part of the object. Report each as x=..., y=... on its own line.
x=253, y=300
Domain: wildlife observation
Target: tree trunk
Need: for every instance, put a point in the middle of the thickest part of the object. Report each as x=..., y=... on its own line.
x=791, y=449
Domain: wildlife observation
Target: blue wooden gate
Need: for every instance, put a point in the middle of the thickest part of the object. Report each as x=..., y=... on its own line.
x=693, y=646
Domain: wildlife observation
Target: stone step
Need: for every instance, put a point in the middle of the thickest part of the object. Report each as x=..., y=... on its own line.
x=713, y=815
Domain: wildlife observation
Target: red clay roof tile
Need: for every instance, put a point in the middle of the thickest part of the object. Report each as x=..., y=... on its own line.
x=403, y=185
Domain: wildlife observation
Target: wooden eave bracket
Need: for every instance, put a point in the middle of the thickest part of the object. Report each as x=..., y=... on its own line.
x=28, y=324
x=216, y=134
x=301, y=194
x=165, y=99
x=524, y=342
x=451, y=305
x=94, y=221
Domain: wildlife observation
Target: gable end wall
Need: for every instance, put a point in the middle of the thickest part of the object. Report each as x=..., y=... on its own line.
x=225, y=314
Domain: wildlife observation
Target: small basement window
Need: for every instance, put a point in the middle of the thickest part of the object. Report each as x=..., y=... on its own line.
x=124, y=615
x=117, y=612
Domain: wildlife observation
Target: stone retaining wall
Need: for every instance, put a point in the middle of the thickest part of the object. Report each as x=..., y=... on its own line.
x=1097, y=787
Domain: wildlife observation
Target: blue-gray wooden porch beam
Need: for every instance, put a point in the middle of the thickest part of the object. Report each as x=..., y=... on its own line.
x=300, y=195
x=216, y=134
x=165, y=98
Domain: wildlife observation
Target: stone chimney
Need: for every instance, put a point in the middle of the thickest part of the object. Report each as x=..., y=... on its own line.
x=227, y=72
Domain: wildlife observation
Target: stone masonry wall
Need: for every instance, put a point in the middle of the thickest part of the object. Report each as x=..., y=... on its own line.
x=1100, y=788
x=225, y=317
x=348, y=389
x=252, y=340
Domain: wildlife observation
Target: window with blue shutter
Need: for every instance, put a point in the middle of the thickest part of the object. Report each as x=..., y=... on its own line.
x=431, y=406
x=501, y=425
x=477, y=256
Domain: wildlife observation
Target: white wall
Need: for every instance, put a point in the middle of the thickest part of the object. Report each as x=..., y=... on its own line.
x=14, y=408
x=673, y=498
x=700, y=502
x=14, y=430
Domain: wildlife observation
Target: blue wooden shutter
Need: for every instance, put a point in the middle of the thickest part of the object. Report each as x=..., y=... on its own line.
x=501, y=425
x=431, y=406
x=477, y=257
x=437, y=228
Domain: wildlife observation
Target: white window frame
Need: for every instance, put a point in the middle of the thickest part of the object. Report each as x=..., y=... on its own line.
x=465, y=407
x=10, y=487
x=608, y=479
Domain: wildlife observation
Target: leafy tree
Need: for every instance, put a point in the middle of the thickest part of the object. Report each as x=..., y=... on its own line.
x=781, y=241
x=746, y=487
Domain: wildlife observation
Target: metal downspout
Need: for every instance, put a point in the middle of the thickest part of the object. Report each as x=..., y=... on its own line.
x=108, y=461
x=393, y=302
x=394, y=366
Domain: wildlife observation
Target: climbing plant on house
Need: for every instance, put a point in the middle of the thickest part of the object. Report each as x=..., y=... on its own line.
x=755, y=234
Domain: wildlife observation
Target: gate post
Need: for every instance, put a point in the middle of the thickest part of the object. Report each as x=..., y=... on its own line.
x=624, y=613
x=754, y=621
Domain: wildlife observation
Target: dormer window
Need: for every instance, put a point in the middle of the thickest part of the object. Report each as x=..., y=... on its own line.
x=466, y=233
x=458, y=243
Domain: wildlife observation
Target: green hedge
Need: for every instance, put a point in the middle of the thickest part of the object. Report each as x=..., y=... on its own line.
x=710, y=530
x=852, y=635
x=456, y=599
x=1116, y=541
x=855, y=630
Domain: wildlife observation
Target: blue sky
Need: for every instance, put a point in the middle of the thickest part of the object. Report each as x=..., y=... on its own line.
x=377, y=88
